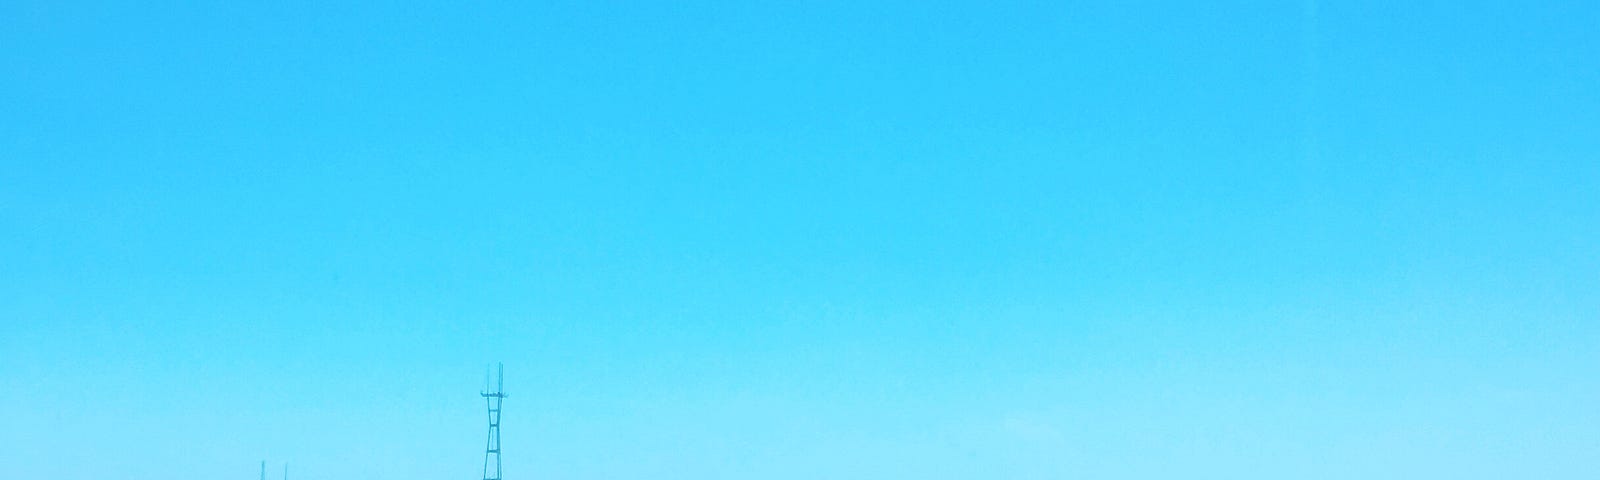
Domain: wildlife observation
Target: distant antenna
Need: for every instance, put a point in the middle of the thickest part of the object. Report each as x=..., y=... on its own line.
x=263, y=470
x=494, y=399
x=285, y=470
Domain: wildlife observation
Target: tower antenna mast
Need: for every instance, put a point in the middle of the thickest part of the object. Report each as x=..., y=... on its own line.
x=493, y=399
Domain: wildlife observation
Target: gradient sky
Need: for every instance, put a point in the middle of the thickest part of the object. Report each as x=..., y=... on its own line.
x=801, y=240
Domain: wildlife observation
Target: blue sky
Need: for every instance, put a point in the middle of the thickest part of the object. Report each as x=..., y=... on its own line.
x=948, y=240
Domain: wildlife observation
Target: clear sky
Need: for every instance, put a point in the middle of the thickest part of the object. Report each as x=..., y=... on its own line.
x=801, y=240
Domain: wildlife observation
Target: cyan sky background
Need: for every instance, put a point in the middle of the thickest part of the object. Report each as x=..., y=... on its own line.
x=799, y=240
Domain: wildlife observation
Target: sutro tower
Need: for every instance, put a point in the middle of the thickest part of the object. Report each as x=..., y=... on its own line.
x=494, y=399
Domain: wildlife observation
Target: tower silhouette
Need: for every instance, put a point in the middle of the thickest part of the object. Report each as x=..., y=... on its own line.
x=494, y=399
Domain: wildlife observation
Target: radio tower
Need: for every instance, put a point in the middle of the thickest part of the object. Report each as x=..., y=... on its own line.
x=493, y=399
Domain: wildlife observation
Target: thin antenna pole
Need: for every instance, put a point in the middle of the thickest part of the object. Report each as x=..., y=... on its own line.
x=263, y=470
x=285, y=470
